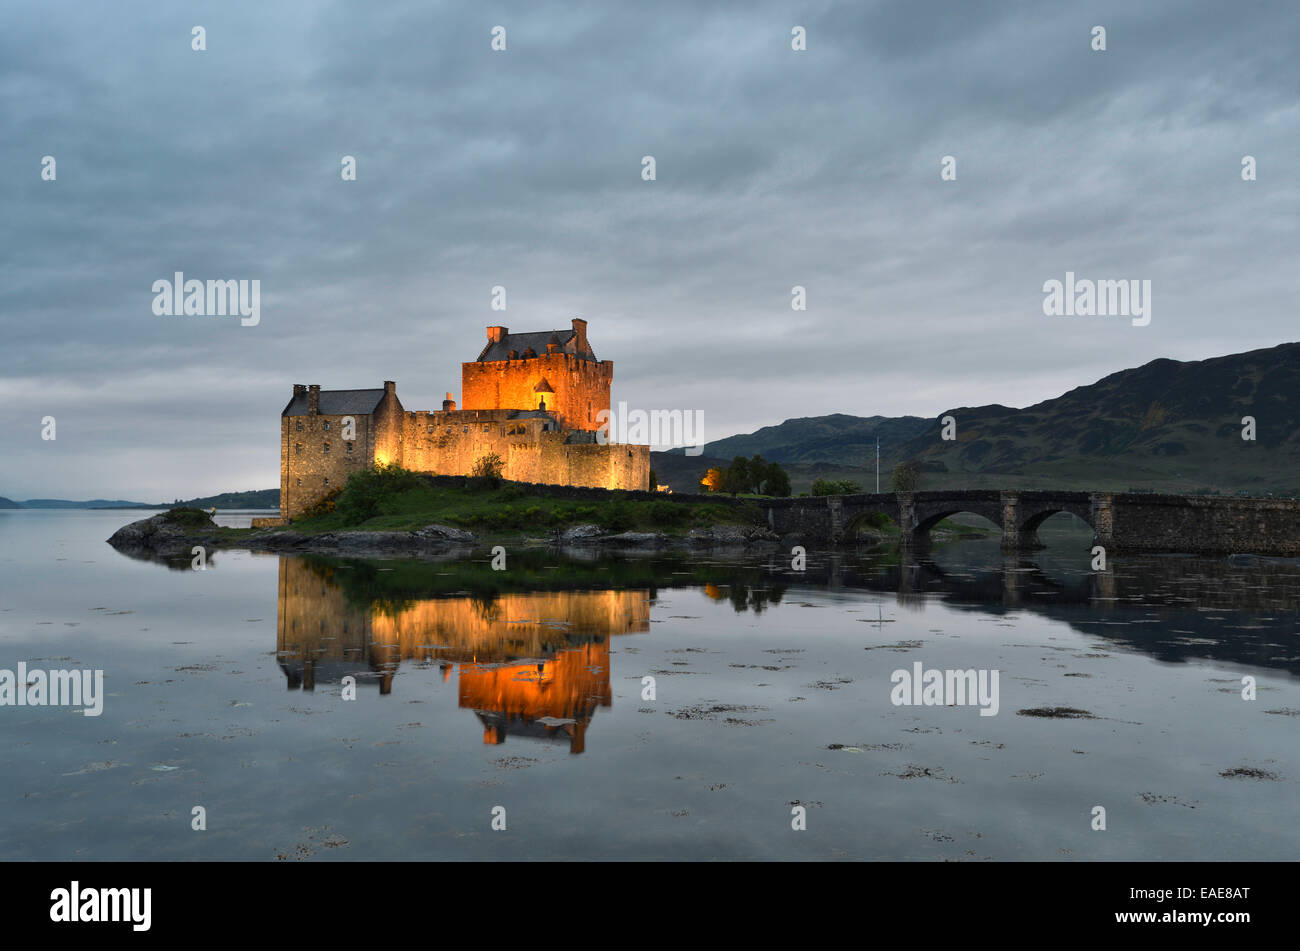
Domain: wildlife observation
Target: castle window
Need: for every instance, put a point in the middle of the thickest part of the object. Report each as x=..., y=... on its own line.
x=300, y=481
x=327, y=425
x=486, y=428
x=349, y=445
x=300, y=425
x=298, y=446
x=464, y=429
x=327, y=447
x=327, y=482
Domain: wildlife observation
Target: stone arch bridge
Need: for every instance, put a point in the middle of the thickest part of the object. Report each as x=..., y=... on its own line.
x=1131, y=522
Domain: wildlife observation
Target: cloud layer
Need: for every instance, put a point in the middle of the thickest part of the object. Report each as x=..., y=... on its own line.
x=523, y=169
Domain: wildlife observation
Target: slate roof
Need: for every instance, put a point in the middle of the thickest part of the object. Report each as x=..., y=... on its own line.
x=530, y=414
x=338, y=403
x=500, y=350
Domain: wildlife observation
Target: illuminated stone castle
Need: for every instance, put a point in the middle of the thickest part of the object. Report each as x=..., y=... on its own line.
x=533, y=399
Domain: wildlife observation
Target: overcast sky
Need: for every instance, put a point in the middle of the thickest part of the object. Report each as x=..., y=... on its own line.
x=523, y=168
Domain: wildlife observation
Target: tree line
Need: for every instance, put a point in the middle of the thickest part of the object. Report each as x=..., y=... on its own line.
x=759, y=477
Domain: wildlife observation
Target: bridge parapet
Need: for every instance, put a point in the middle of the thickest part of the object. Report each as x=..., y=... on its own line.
x=1121, y=522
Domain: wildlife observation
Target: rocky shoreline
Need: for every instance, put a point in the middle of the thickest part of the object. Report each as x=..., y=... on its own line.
x=162, y=537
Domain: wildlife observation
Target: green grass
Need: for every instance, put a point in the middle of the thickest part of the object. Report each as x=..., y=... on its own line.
x=510, y=509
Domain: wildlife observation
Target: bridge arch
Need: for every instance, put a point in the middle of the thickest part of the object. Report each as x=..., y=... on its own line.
x=926, y=512
x=858, y=517
x=1031, y=514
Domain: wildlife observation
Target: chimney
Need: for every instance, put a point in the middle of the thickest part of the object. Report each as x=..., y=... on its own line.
x=496, y=334
x=514, y=354
x=390, y=387
x=449, y=404
x=553, y=345
x=299, y=389
x=313, y=400
x=580, y=329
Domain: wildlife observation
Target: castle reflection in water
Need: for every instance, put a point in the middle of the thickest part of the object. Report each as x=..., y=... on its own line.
x=530, y=664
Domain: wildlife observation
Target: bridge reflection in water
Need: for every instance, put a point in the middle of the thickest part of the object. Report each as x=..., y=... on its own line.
x=536, y=663
x=532, y=664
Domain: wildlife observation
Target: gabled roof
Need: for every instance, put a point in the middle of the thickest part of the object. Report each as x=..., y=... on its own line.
x=543, y=387
x=337, y=403
x=500, y=349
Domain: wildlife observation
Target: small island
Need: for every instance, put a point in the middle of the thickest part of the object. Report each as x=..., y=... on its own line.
x=388, y=509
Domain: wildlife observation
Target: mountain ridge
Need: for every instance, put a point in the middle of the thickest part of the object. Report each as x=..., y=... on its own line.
x=1169, y=425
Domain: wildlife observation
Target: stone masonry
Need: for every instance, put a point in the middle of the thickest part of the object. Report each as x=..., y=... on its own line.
x=532, y=398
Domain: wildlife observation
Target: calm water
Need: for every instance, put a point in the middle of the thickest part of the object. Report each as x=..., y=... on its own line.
x=524, y=690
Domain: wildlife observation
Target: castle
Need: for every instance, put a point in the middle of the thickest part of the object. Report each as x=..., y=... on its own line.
x=534, y=399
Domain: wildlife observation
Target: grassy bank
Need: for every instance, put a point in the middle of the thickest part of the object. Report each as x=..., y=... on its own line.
x=404, y=503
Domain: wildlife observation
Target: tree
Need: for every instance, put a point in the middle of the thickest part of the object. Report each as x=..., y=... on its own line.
x=654, y=481
x=777, y=481
x=907, y=476
x=713, y=479
x=737, y=478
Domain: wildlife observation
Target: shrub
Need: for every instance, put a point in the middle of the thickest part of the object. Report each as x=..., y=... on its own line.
x=188, y=517
x=615, y=517
x=667, y=513
x=835, y=487
x=368, y=490
x=486, y=473
x=324, y=505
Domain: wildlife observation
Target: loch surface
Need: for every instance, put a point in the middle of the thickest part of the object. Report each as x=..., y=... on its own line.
x=656, y=707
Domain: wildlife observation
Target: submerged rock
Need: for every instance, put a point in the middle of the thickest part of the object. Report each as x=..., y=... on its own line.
x=579, y=533
x=446, y=533
x=637, y=539
x=730, y=536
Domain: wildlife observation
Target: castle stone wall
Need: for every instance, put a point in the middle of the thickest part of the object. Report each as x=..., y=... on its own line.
x=315, y=459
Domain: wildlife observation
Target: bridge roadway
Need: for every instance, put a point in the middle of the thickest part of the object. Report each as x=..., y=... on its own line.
x=1121, y=521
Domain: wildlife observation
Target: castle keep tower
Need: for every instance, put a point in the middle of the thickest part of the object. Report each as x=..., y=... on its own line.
x=533, y=399
x=512, y=368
